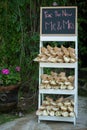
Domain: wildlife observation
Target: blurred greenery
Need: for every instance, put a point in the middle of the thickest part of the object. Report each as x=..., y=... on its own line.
x=19, y=35
x=7, y=117
x=19, y=39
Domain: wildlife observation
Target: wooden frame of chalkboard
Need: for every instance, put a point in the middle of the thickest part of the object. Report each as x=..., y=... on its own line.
x=58, y=21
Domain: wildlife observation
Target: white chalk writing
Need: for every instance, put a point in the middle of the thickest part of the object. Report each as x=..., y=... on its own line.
x=52, y=26
x=47, y=15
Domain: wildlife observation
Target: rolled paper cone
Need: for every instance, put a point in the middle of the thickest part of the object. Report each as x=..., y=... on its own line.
x=70, y=87
x=72, y=60
x=65, y=114
x=66, y=59
x=63, y=108
x=58, y=113
x=70, y=108
x=49, y=48
x=38, y=112
x=45, y=113
x=71, y=78
x=71, y=49
x=49, y=99
x=51, y=113
x=71, y=114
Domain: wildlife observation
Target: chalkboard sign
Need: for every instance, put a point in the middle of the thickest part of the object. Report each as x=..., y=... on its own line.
x=58, y=20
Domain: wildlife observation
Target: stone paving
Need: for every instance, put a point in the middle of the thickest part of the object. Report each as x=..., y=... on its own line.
x=29, y=122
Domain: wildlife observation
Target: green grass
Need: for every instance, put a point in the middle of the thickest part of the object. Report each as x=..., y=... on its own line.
x=7, y=117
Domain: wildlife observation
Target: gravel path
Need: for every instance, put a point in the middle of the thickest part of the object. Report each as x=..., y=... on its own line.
x=30, y=121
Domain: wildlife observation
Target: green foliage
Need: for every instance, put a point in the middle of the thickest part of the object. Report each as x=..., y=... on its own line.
x=9, y=45
x=19, y=35
x=7, y=117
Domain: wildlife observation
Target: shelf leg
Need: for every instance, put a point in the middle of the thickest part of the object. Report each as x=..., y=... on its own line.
x=75, y=121
x=38, y=120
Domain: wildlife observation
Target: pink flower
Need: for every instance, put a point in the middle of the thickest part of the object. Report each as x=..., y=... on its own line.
x=18, y=68
x=5, y=71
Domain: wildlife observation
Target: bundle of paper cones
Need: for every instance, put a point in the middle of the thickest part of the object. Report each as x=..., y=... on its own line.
x=57, y=81
x=56, y=55
x=61, y=107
